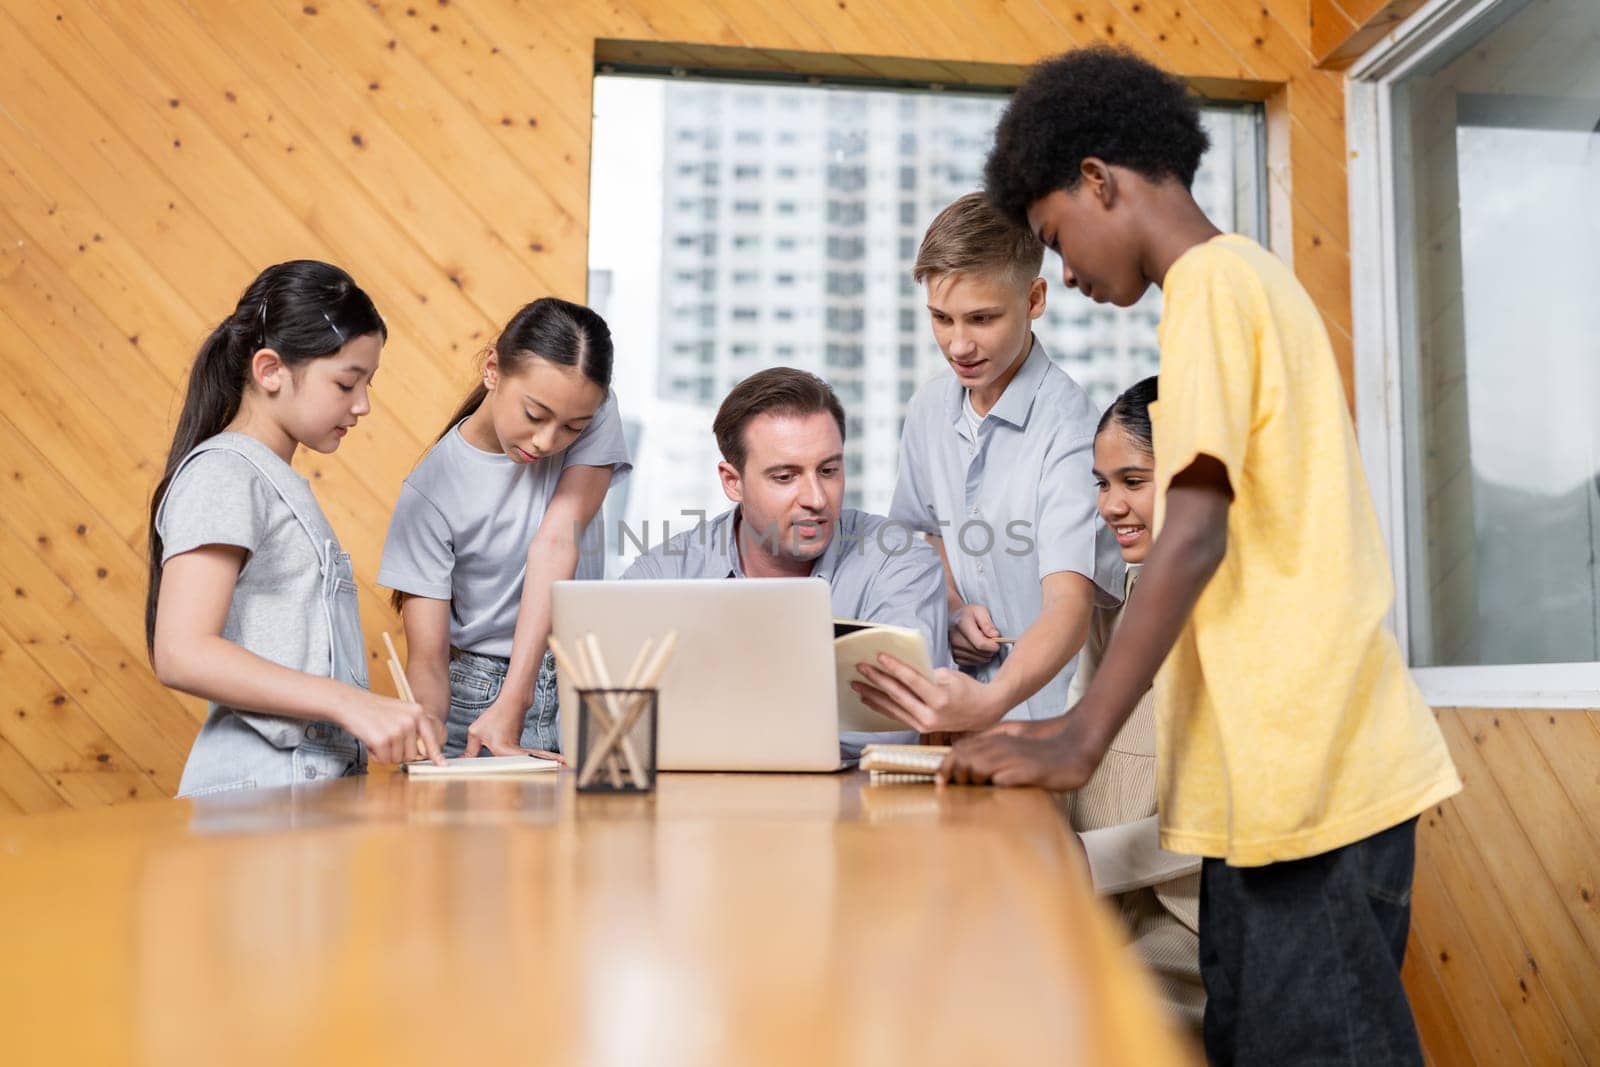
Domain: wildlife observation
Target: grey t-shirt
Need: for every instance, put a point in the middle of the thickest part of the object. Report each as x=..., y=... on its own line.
x=465, y=518
x=220, y=498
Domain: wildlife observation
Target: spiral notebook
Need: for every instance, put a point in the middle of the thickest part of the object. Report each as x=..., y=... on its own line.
x=481, y=766
x=910, y=764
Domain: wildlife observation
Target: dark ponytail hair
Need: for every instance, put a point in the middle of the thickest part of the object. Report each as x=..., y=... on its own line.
x=567, y=334
x=302, y=310
x=1131, y=411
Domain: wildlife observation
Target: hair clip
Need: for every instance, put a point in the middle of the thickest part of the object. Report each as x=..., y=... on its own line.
x=336, y=331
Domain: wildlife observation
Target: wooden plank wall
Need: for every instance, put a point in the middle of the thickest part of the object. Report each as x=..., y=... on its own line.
x=1505, y=931
x=1341, y=30
x=153, y=157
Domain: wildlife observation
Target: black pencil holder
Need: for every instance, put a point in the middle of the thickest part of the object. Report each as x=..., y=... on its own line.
x=616, y=740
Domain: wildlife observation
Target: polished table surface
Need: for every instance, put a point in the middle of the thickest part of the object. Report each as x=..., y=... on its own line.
x=740, y=919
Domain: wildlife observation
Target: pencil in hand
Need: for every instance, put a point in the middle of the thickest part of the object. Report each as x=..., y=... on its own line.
x=402, y=686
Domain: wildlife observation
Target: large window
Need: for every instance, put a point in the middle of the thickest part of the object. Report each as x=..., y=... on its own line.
x=1485, y=213
x=737, y=226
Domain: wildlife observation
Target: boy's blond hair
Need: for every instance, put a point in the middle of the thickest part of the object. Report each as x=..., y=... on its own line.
x=971, y=237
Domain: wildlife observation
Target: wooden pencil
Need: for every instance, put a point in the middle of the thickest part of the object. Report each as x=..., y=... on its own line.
x=402, y=685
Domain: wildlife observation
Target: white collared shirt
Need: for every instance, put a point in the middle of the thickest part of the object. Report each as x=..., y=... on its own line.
x=1014, y=502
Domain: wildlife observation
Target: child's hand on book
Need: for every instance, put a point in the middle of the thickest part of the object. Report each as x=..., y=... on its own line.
x=1061, y=761
x=950, y=702
x=499, y=729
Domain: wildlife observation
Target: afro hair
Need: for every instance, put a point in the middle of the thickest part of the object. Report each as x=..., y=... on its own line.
x=1103, y=102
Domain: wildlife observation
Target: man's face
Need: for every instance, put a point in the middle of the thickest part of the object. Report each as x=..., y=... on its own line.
x=982, y=323
x=792, y=484
x=1090, y=228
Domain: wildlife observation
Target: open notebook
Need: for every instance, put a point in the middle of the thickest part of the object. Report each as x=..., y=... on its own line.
x=855, y=641
x=481, y=766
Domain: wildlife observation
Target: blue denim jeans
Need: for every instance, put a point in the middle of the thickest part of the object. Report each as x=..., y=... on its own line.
x=474, y=683
x=1301, y=959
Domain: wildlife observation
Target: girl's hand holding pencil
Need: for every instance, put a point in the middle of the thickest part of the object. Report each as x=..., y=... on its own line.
x=394, y=731
x=400, y=738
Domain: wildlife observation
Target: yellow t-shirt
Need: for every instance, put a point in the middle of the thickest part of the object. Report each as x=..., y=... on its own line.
x=1286, y=722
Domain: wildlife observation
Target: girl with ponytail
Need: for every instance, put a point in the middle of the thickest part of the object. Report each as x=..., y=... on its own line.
x=493, y=515
x=252, y=603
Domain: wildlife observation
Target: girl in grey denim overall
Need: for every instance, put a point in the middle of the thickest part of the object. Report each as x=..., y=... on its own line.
x=289, y=367
x=525, y=459
x=239, y=749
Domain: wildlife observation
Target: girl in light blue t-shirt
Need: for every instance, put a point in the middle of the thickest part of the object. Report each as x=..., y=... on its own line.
x=505, y=504
x=252, y=603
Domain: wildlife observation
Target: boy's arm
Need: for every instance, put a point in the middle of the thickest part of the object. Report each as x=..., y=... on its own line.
x=1193, y=542
x=1047, y=644
x=954, y=702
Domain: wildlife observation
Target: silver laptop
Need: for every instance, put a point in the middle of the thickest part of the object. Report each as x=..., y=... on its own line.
x=751, y=686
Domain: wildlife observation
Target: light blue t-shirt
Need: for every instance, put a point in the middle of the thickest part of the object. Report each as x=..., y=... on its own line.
x=1014, y=502
x=465, y=518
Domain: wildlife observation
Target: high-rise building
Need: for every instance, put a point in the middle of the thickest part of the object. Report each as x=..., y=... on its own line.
x=790, y=219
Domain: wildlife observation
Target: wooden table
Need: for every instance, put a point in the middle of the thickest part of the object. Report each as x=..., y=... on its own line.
x=740, y=919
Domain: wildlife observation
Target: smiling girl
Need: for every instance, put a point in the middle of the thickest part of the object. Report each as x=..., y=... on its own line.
x=1156, y=892
x=492, y=517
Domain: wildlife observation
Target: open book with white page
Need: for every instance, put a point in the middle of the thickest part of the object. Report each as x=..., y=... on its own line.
x=856, y=641
x=481, y=766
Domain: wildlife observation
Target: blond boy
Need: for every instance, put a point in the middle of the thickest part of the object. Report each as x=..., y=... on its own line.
x=995, y=469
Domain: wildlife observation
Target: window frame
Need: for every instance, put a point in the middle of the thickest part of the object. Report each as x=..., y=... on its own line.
x=1383, y=413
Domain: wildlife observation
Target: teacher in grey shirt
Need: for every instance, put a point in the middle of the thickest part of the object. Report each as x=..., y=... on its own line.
x=781, y=434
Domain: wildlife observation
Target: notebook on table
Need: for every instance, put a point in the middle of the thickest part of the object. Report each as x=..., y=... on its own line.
x=890, y=764
x=481, y=767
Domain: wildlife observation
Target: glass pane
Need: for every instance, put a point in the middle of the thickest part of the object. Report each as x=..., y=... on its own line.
x=735, y=227
x=1498, y=153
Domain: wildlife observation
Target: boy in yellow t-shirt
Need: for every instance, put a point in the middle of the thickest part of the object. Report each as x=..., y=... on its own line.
x=1294, y=752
